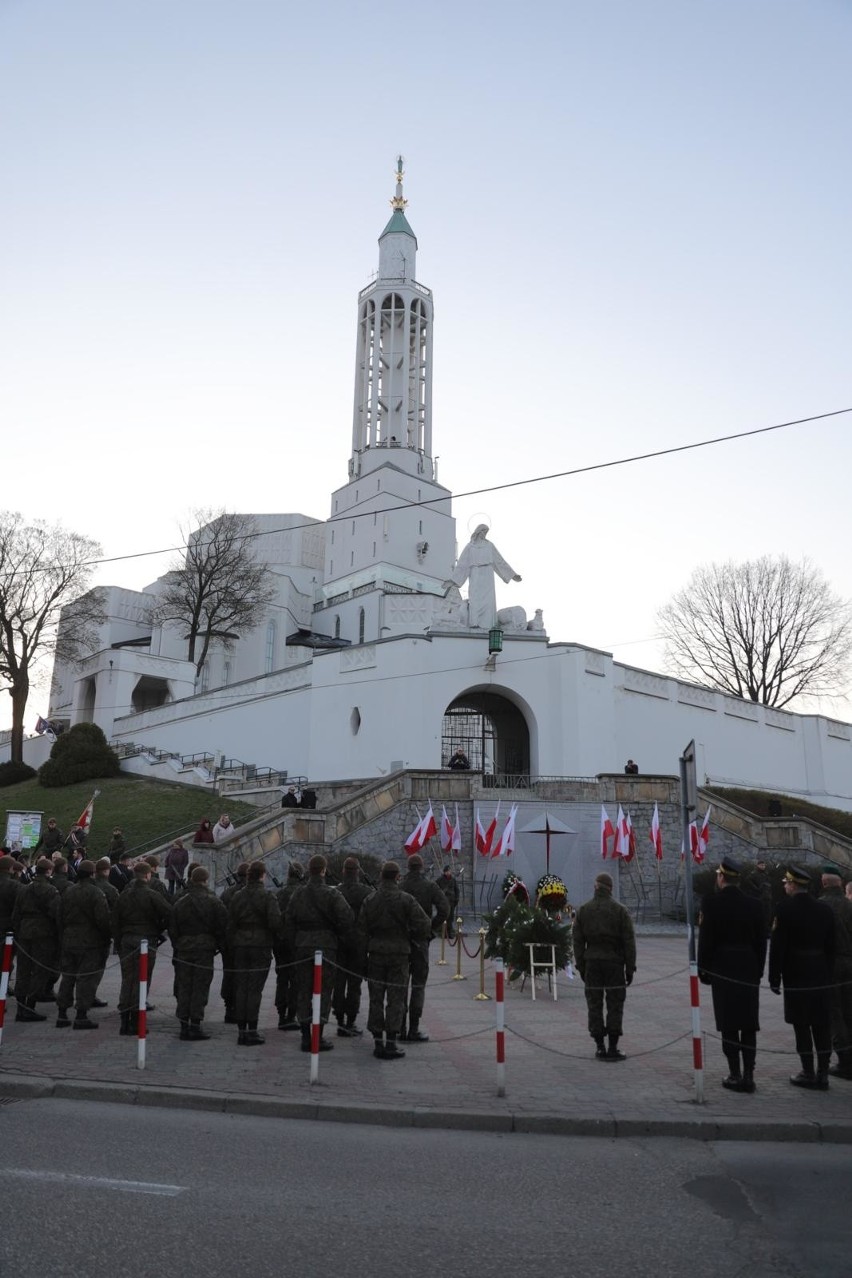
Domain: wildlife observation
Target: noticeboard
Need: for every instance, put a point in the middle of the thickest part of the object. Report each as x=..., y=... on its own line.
x=23, y=829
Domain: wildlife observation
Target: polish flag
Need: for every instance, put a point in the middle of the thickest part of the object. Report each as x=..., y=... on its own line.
x=85, y=819
x=479, y=837
x=607, y=832
x=631, y=840
x=704, y=834
x=619, y=848
x=422, y=833
x=656, y=835
x=446, y=831
x=505, y=845
x=491, y=831
x=695, y=843
x=456, y=844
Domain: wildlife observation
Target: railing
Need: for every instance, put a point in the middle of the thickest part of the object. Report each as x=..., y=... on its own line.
x=525, y=780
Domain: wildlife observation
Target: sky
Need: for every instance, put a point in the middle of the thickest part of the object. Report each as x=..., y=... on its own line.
x=633, y=214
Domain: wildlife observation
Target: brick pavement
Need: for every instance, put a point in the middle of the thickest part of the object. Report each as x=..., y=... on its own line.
x=553, y=1081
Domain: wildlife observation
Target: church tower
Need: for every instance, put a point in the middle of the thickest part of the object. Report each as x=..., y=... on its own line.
x=391, y=529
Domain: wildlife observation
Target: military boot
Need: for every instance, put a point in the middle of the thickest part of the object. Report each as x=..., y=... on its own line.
x=184, y=1035
x=125, y=1024
x=26, y=1011
x=305, y=1027
x=196, y=1033
x=62, y=1020
x=805, y=1077
x=83, y=1022
x=748, y=1084
x=415, y=1034
x=392, y=1051
x=613, y=1054
x=600, y=1052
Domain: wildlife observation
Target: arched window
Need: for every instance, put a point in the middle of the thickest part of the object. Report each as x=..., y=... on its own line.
x=270, y=647
x=337, y=627
x=361, y=620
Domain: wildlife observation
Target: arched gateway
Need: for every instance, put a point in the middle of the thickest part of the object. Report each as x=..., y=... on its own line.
x=491, y=730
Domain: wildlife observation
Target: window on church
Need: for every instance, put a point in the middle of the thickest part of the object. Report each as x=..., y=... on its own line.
x=270, y=647
x=204, y=681
x=226, y=673
x=361, y=621
x=337, y=627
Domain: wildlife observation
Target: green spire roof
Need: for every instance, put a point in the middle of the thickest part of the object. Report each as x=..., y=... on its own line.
x=398, y=225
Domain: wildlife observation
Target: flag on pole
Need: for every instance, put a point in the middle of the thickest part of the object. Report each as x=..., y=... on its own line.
x=456, y=845
x=479, y=836
x=488, y=836
x=704, y=834
x=695, y=843
x=631, y=840
x=607, y=832
x=505, y=845
x=422, y=833
x=619, y=847
x=446, y=831
x=656, y=835
x=84, y=820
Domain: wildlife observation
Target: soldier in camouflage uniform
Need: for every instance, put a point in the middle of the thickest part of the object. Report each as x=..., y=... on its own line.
x=35, y=922
x=605, y=955
x=226, y=993
x=285, y=971
x=85, y=920
x=318, y=918
x=254, y=923
x=435, y=905
x=389, y=923
x=346, y=999
x=140, y=914
x=197, y=928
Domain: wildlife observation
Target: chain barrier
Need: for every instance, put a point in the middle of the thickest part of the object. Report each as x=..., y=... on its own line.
x=554, y=1051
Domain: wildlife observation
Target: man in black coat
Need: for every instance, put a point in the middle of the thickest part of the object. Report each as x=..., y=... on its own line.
x=801, y=954
x=731, y=955
x=841, y=993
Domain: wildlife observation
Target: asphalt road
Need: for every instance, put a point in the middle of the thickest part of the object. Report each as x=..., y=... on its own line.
x=111, y=1191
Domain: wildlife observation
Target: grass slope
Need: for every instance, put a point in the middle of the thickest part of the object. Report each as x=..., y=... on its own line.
x=757, y=802
x=147, y=811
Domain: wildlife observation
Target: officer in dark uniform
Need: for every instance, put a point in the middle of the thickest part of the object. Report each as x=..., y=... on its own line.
x=254, y=922
x=139, y=914
x=801, y=954
x=285, y=954
x=390, y=921
x=434, y=904
x=841, y=992
x=318, y=918
x=197, y=928
x=449, y=885
x=85, y=921
x=605, y=955
x=348, y=977
x=35, y=922
x=731, y=956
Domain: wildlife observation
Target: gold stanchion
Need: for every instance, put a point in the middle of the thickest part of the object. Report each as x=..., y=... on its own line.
x=458, y=976
x=442, y=962
x=482, y=997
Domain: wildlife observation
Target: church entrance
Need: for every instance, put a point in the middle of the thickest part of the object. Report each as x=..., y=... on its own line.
x=492, y=732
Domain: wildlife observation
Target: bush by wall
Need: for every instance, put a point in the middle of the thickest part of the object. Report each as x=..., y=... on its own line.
x=11, y=773
x=80, y=754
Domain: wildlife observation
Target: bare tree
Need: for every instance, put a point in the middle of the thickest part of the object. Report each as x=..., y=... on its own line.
x=219, y=588
x=767, y=630
x=44, y=571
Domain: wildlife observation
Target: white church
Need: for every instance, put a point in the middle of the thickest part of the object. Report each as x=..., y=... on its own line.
x=377, y=654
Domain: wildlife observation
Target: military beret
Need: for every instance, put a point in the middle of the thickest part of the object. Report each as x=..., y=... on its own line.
x=604, y=880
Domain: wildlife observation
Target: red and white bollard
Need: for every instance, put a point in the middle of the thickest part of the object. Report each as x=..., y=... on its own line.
x=316, y=1026
x=4, y=978
x=697, y=1054
x=500, y=1021
x=142, y=1015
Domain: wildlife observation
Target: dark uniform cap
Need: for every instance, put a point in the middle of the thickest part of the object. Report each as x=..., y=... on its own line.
x=798, y=875
x=604, y=880
x=86, y=868
x=730, y=868
x=415, y=862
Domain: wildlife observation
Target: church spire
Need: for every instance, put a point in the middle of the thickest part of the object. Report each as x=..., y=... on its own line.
x=393, y=251
x=398, y=202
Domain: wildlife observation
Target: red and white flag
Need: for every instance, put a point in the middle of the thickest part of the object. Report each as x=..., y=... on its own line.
x=656, y=835
x=456, y=844
x=704, y=835
x=631, y=840
x=488, y=835
x=505, y=845
x=422, y=833
x=479, y=836
x=619, y=847
x=607, y=832
x=446, y=831
x=85, y=819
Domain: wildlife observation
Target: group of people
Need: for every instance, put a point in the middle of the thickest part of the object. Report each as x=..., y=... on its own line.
x=810, y=956
x=64, y=933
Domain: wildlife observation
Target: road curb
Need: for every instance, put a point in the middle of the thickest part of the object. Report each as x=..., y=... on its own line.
x=19, y=1087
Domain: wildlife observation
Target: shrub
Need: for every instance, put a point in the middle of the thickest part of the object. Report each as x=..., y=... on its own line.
x=81, y=754
x=11, y=773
